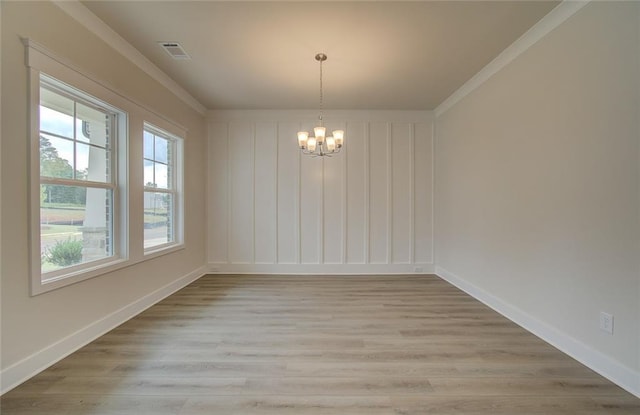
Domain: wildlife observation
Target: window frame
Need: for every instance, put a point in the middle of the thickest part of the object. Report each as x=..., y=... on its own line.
x=116, y=117
x=129, y=167
x=44, y=71
x=175, y=188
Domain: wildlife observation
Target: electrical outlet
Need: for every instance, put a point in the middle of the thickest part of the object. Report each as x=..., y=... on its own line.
x=606, y=322
x=417, y=269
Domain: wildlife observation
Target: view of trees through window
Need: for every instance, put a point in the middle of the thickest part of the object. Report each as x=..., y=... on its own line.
x=76, y=187
x=81, y=206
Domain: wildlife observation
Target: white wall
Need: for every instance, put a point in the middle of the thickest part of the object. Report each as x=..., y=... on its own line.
x=367, y=209
x=537, y=189
x=36, y=331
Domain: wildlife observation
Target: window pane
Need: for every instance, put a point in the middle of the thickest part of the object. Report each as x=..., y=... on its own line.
x=162, y=174
x=158, y=219
x=148, y=145
x=160, y=231
x=75, y=225
x=161, y=153
x=91, y=163
x=56, y=157
x=148, y=173
x=56, y=113
x=92, y=125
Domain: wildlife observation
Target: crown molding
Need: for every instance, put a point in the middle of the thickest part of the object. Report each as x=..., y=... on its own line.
x=94, y=24
x=553, y=19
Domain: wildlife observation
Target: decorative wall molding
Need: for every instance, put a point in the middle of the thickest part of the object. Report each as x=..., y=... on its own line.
x=94, y=24
x=321, y=269
x=369, y=205
x=611, y=369
x=28, y=367
x=555, y=18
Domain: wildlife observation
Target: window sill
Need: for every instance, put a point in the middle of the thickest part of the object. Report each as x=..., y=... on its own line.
x=157, y=251
x=68, y=279
x=64, y=280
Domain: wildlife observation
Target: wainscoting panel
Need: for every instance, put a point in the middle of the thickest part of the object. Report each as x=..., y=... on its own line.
x=265, y=189
x=423, y=190
x=287, y=195
x=271, y=207
x=241, y=194
x=334, y=204
x=357, y=199
x=379, y=193
x=401, y=193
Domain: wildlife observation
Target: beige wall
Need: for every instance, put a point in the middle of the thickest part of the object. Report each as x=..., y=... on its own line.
x=30, y=324
x=537, y=183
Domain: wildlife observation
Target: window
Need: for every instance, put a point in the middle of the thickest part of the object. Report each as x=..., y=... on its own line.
x=162, y=153
x=78, y=196
x=79, y=186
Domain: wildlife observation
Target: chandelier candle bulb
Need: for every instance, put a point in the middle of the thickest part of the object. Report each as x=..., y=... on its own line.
x=319, y=132
x=311, y=144
x=331, y=144
x=303, y=136
x=339, y=137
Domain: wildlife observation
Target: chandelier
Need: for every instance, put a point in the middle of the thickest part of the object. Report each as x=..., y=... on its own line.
x=319, y=145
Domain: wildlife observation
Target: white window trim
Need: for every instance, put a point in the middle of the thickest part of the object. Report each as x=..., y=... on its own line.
x=40, y=59
x=176, y=189
x=114, y=184
x=40, y=282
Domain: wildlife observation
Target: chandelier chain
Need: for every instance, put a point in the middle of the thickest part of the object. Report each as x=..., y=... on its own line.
x=321, y=94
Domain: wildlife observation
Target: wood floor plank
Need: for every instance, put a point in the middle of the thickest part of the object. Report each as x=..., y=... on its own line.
x=140, y=385
x=92, y=404
x=289, y=405
x=318, y=345
x=503, y=405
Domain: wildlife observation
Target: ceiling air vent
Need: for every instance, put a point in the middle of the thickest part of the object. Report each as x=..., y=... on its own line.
x=174, y=50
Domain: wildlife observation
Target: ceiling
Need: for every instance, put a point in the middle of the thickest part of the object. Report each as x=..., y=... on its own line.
x=381, y=55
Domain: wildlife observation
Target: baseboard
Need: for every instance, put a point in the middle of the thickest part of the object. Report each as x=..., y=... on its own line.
x=30, y=366
x=611, y=369
x=324, y=269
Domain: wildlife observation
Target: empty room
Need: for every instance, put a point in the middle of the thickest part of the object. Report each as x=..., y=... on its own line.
x=320, y=207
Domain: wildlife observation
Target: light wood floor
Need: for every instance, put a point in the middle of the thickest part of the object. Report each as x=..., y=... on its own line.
x=318, y=345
